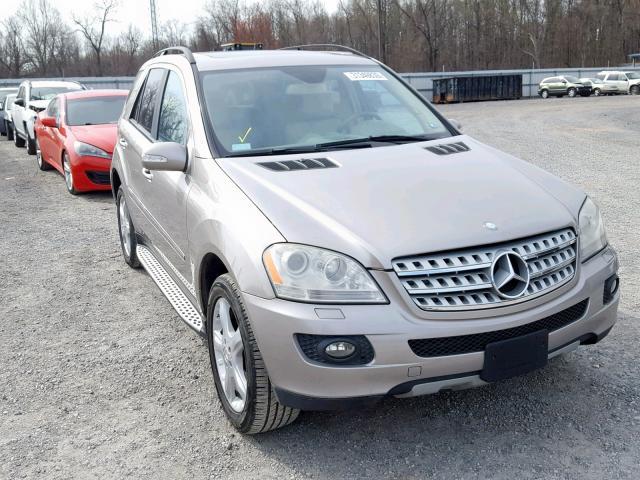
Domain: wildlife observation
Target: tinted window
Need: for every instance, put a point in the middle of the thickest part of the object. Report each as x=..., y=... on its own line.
x=47, y=93
x=172, y=125
x=148, y=99
x=633, y=75
x=572, y=79
x=95, y=111
x=613, y=76
x=307, y=105
x=601, y=76
x=21, y=93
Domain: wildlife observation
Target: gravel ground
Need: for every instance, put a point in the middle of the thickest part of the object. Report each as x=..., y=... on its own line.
x=100, y=378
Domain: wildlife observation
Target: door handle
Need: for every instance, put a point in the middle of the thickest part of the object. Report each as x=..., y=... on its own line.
x=123, y=143
x=147, y=174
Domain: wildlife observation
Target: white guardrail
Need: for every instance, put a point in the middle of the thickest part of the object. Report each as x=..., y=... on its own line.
x=423, y=82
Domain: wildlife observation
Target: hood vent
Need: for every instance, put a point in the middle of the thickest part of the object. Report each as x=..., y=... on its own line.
x=448, y=148
x=302, y=164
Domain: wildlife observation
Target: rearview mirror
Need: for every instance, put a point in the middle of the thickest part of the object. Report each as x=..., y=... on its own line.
x=19, y=102
x=455, y=123
x=166, y=156
x=49, y=122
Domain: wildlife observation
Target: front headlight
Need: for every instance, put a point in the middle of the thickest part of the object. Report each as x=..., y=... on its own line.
x=84, y=149
x=311, y=274
x=593, y=238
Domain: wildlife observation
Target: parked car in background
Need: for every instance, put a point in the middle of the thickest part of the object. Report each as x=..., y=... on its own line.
x=563, y=85
x=33, y=97
x=4, y=92
x=627, y=82
x=8, y=124
x=598, y=87
x=76, y=135
x=337, y=241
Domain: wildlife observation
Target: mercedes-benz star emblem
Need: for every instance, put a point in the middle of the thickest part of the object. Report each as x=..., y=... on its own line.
x=509, y=275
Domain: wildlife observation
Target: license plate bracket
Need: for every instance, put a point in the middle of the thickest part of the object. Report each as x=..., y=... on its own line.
x=516, y=356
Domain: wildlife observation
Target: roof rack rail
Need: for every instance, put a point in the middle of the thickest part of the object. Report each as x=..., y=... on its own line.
x=327, y=45
x=177, y=50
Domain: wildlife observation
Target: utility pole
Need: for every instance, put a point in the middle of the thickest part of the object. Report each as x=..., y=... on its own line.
x=381, y=37
x=154, y=23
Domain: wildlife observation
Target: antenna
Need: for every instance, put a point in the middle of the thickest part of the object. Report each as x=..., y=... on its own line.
x=154, y=23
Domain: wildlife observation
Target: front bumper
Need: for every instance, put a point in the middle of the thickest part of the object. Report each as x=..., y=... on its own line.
x=91, y=173
x=395, y=369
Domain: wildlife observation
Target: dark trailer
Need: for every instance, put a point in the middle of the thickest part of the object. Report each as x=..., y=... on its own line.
x=477, y=88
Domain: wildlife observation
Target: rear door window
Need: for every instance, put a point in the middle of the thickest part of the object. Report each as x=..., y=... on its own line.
x=147, y=101
x=173, y=122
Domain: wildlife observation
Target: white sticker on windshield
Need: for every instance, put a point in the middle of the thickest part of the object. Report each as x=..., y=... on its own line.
x=359, y=76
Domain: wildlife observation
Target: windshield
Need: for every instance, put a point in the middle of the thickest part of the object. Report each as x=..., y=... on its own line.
x=307, y=106
x=633, y=75
x=572, y=79
x=47, y=93
x=94, y=111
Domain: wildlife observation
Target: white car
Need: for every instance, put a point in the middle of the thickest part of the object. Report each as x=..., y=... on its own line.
x=627, y=82
x=32, y=97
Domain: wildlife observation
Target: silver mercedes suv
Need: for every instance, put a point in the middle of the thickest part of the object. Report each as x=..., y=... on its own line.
x=337, y=241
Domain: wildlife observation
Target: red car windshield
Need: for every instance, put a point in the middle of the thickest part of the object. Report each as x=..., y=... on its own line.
x=94, y=111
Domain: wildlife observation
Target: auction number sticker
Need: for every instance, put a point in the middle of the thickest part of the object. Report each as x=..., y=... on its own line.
x=360, y=76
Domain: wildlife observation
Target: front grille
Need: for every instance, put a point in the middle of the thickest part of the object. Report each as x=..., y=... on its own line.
x=100, y=178
x=439, y=347
x=461, y=279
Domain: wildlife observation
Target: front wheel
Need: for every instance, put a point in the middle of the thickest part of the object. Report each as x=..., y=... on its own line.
x=544, y=94
x=571, y=92
x=239, y=373
x=126, y=231
x=597, y=92
x=634, y=90
x=68, y=174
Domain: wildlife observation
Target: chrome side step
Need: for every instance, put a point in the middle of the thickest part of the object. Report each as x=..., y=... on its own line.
x=170, y=288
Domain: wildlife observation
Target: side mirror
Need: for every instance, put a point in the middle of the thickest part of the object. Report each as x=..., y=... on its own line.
x=19, y=102
x=49, y=122
x=166, y=156
x=455, y=123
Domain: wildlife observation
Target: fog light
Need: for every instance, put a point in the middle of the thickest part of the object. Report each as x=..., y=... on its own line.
x=340, y=350
x=613, y=287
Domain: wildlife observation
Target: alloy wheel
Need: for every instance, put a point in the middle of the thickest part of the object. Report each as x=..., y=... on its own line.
x=228, y=348
x=125, y=226
x=68, y=174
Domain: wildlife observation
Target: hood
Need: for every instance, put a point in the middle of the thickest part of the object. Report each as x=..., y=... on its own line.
x=40, y=104
x=386, y=202
x=101, y=136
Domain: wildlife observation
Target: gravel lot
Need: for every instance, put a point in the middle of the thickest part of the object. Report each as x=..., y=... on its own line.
x=100, y=378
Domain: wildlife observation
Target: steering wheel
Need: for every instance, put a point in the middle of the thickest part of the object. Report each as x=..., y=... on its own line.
x=346, y=125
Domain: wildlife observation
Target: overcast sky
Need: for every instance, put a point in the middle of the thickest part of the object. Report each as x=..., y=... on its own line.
x=133, y=11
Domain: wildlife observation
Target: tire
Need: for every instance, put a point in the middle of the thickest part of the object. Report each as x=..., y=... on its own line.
x=17, y=140
x=31, y=145
x=42, y=165
x=126, y=231
x=597, y=92
x=235, y=352
x=9, y=128
x=68, y=174
x=544, y=94
x=634, y=90
x=571, y=92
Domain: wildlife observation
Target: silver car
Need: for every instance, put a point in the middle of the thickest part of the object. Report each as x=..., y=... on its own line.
x=337, y=241
x=5, y=108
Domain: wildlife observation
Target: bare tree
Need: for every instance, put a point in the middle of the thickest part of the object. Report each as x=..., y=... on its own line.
x=93, y=28
x=12, y=53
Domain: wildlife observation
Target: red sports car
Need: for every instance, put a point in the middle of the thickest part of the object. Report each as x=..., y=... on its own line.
x=76, y=135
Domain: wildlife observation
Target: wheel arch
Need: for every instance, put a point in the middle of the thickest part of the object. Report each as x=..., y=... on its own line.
x=211, y=267
x=115, y=183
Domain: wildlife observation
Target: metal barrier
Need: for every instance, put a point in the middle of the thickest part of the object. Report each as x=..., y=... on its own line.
x=423, y=82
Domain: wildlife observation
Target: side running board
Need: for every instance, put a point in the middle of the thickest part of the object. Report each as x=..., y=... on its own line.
x=170, y=288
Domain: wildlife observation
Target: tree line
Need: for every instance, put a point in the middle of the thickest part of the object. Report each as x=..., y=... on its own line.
x=409, y=35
